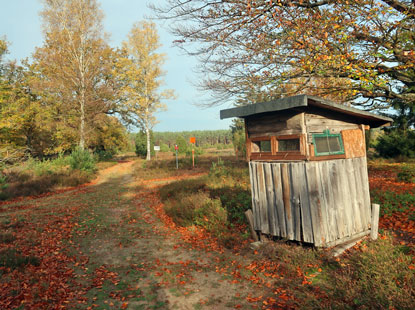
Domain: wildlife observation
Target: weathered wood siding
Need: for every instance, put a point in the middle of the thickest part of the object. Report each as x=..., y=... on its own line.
x=317, y=202
x=281, y=123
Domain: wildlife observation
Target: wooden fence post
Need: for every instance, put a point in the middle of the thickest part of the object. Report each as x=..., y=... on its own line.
x=375, y=221
x=250, y=218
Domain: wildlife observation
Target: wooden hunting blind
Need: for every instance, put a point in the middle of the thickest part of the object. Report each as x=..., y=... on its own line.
x=308, y=170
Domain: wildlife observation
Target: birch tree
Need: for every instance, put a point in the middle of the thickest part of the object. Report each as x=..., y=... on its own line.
x=75, y=61
x=142, y=72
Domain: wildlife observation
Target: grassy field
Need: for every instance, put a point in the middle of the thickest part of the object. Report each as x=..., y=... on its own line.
x=150, y=236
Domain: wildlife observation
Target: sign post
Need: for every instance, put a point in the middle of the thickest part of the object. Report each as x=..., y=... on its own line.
x=193, y=141
x=177, y=161
x=156, y=149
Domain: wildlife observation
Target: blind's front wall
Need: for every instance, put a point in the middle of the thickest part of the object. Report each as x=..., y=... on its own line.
x=318, y=202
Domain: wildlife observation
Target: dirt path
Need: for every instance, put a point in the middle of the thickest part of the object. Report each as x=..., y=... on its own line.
x=109, y=245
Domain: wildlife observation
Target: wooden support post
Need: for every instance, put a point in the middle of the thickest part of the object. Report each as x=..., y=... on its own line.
x=250, y=218
x=375, y=221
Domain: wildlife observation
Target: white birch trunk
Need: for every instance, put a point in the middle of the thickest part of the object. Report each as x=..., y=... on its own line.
x=147, y=129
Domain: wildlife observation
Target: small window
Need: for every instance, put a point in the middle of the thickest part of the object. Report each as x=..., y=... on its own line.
x=289, y=145
x=327, y=144
x=261, y=146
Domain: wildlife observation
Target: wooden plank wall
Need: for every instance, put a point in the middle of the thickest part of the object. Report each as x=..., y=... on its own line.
x=316, y=202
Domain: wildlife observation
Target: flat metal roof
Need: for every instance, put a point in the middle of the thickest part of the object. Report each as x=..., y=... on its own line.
x=304, y=101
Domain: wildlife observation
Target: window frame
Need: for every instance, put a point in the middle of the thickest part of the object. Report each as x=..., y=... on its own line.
x=258, y=139
x=289, y=137
x=326, y=134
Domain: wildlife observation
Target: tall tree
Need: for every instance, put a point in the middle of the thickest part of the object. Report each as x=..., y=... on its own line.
x=283, y=47
x=142, y=73
x=22, y=118
x=75, y=62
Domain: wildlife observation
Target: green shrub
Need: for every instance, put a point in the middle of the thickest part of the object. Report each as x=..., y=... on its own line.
x=164, y=148
x=397, y=143
x=104, y=155
x=61, y=160
x=198, y=209
x=198, y=151
x=218, y=169
x=407, y=174
x=47, y=166
x=82, y=160
x=3, y=186
x=12, y=259
x=238, y=137
x=176, y=190
x=379, y=277
x=39, y=167
x=236, y=201
x=182, y=145
x=211, y=215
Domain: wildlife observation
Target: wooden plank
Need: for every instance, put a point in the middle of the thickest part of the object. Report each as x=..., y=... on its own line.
x=332, y=208
x=284, y=122
x=250, y=218
x=319, y=127
x=306, y=224
x=255, y=200
x=296, y=179
x=337, y=198
x=364, y=215
x=362, y=128
x=262, y=199
x=357, y=222
x=344, y=187
x=374, y=222
x=312, y=183
x=347, y=239
x=364, y=220
x=304, y=142
x=286, y=196
x=269, y=184
x=322, y=119
x=251, y=179
x=275, y=132
x=248, y=142
x=365, y=185
x=279, y=202
x=328, y=231
x=325, y=157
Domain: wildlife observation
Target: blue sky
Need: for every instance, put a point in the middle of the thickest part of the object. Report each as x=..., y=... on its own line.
x=21, y=24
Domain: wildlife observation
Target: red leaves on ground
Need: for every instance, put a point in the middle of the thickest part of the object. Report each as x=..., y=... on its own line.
x=101, y=274
x=48, y=285
x=385, y=180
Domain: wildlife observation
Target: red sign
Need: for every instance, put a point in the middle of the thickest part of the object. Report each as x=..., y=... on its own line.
x=176, y=147
x=192, y=140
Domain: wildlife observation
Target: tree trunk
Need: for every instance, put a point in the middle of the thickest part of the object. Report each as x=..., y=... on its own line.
x=82, y=124
x=148, y=157
x=146, y=122
x=82, y=99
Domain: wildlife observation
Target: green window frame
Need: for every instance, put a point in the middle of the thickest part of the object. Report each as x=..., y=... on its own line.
x=330, y=138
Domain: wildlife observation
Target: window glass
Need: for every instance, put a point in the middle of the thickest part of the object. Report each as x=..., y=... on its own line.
x=328, y=144
x=262, y=146
x=288, y=145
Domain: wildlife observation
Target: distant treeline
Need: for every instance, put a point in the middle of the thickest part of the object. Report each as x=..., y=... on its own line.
x=203, y=137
